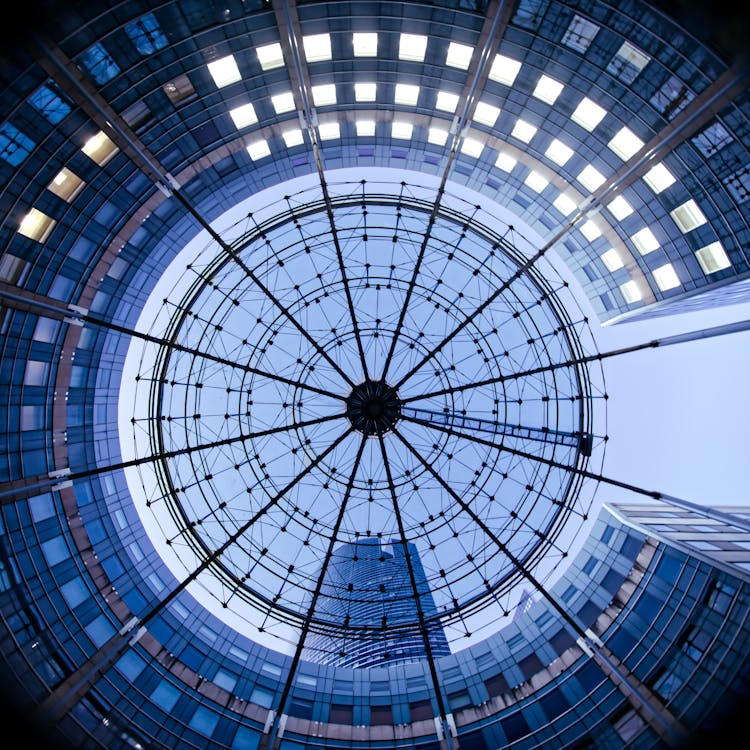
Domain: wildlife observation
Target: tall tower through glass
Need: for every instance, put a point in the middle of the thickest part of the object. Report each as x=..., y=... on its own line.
x=368, y=597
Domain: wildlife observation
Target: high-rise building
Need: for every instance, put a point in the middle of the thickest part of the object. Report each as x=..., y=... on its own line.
x=374, y=608
x=449, y=277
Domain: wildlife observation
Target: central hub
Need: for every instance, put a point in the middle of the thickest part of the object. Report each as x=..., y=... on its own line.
x=373, y=407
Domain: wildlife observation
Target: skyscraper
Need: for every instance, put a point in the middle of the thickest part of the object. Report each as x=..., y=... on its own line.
x=369, y=598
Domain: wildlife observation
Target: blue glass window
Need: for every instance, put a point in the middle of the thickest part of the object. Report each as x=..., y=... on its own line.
x=99, y=63
x=672, y=97
x=246, y=739
x=75, y=592
x=131, y=665
x=146, y=34
x=204, y=720
x=50, y=103
x=607, y=533
x=55, y=550
x=165, y=696
x=14, y=145
x=712, y=138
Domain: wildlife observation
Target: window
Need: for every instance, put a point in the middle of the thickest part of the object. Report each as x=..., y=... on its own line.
x=293, y=137
x=588, y=114
x=504, y=70
x=179, y=89
x=365, y=92
x=486, y=114
x=738, y=184
x=547, y=89
x=317, y=47
x=720, y=596
x=165, y=695
x=619, y=208
x=612, y=260
x=329, y=130
x=694, y=643
x=590, y=177
x=630, y=291
x=536, y=181
x=688, y=216
x=406, y=94
x=258, y=149
x=672, y=97
x=270, y=56
x=47, y=100
x=666, y=277
x=36, y=225
x=437, y=136
x=712, y=139
x=243, y=115
x=324, y=95
x=146, y=34
x=341, y=714
x=224, y=71
x=99, y=63
x=523, y=130
x=564, y=204
x=628, y=63
x=100, y=148
x=590, y=230
x=381, y=715
x=14, y=145
x=412, y=47
x=625, y=143
x=667, y=684
x=629, y=725
x=365, y=44
x=446, y=102
x=505, y=162
x=401, y=130
x=712, y=258
x=658, y=178
x=579, y=34
x=558, y=152
x=419, y=710
x=644, y=241
x=204, y=720
x=365, y=127
x=472, y=147
x=459, y=55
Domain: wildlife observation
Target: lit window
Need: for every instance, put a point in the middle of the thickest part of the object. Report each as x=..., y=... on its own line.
x=36, y=225
x=406, y=94
x=588, y=114
x=628, y=63
x=505, y=162
x=658, y=178
x=620, y=208
x=666, y=277
x=66, y=185
x=590, y=230
x=179, y=89
x=365, y=127
x=258, y=149
x=324, y=95
x=145, y=34
x=270, y=56
x=99, y=148
x=558, y=152
x=317, y=47
x=626, y=143
x=645, y=241
x=47, y=100
x=472, y=147
x=14, y=145
x=459, y=55
x=438, y=136
x=365, y=92
x=99, y=63
x=224, y=71
x=630, y=292
x=523, y=130
x=329, y=130
x=402, y=130
x=504, y=70
x=688, y=216
x=564, y=204
x=293, y=137
x=712, y=258
x=283, y=102
x=412, y=47
x=579, y=34
x=536, y=181
x=486, y=114
x=548, y=89
x=612, y=259
x=243, y=115
x=590, y=178
x=446, y=102
x=365, y=44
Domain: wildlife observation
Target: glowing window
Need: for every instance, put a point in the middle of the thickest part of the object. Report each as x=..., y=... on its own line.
x=580, y=33
x=324, y=95
x=619, y=208
x=402, y=130
x=612, y=260
x=446, y=102
x=100, y=148
x=590, y=178
x=666, y=277
x=406, y=94
x=365, y=92
x=283, y=102
x=365, y=44
x=590, y=230
x=564, y=204
x=588, y=114
x=293, y=137
x=365, y=127
x=472, y=147
x=688, y=216
x=270, y=56
x=523, y=130
x=536, y=181
x=224, y=71
x=558, y=152
x=547, y=89
x=412, y=47
x=329, y=130
x=505, y=162
x=658, y=178
x=317, y=47
x=626, y=143
x=258, y=149
x=628, y=62
x=486, y=114
x=712, y=258
x=630, y=291
x=438, y=136
x=66, y=185
x=243, y=115
x=645, y=241
x=504, y=70
x=459, y=55
x=36, y=225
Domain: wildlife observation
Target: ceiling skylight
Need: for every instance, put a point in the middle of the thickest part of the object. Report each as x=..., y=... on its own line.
x=590, y=177
x=293, y=137
x=658, y=178
x=688, y=216
x=564, y=204
x=558, y=152
x=365, y=127
x=270, y=56
x=547, y=89
x=486, y=114
x=625, y=143
x=472, y=147
x=588, y=114
x=666, y=277
x=243, y=115
x=590, y=230
x=504, y=70
x=713, y=258
x=317, y=47
x=224, y=71
x=645, y=241
x=100, y=148
x=324, y=95
x=523, y=130
x=365, y=92
x=536, y=181
x=36, y=225
x=283, y=102
x=329, y=130
x=412, y=47
x=446, y=101
x=459, y=55
x=406, y=94
x=365, y=44
x=438, y=136
x=612, y=260
x=631, y=292
x=258, y=149
x=66, y=185
x=505, y=162
x=619, y=208
x=401, y=129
